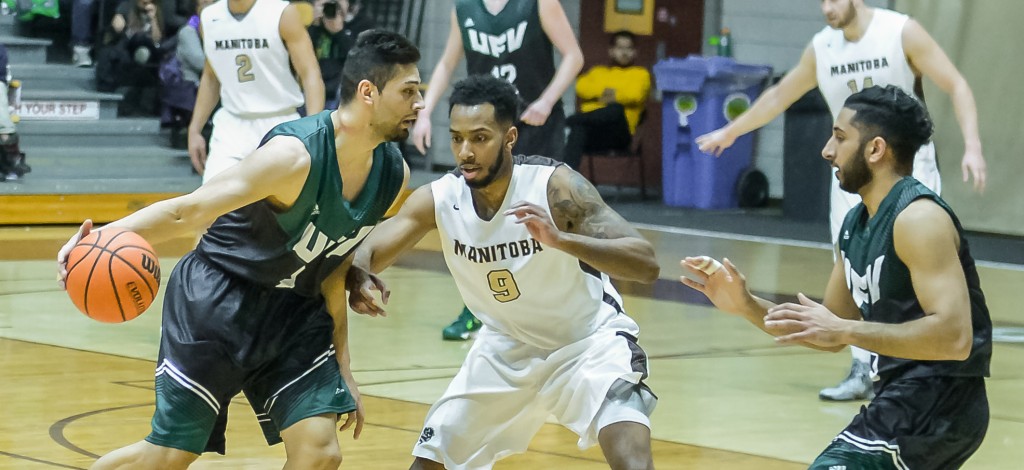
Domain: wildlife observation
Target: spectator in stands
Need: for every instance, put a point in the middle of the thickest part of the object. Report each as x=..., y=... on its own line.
x=82, y=29
x=611, y=100
x=179, y=77
x=12, y=161
x=139, y=40
x=331, y=44
x=355, y=20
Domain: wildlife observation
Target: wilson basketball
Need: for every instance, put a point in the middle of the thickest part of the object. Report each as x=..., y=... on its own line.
x=113, y=275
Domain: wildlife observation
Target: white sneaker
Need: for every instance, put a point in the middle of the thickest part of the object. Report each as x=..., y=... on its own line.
x=81, y=57
x=856, y=386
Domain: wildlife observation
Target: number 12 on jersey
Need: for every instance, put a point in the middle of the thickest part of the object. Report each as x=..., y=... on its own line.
x=503, y=285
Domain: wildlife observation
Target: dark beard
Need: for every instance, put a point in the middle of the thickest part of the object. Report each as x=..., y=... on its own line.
x=848, y=18
x=397, y=135
x=856, y=174
x=492, y=172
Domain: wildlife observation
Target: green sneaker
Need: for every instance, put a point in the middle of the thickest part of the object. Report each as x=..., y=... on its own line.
x=461, y=328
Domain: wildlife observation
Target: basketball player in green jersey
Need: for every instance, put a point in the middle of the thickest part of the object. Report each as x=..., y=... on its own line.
x=904, y=285
x=509, y=39
x=259, y=305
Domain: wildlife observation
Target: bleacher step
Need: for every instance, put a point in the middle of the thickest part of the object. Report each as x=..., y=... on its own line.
x=29, y=184
x=53, y=76
x=22, y=50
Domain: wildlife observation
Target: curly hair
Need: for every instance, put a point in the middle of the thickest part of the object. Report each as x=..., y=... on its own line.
x=486, y=89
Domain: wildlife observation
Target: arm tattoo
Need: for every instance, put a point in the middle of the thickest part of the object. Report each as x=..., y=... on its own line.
x=577, y=207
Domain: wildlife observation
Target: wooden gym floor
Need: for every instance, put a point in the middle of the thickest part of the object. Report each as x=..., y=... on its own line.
x=72, y=389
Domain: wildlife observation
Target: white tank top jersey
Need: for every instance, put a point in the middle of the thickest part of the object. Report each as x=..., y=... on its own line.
x=845, y=68
x=250, y=59
x=535, y=294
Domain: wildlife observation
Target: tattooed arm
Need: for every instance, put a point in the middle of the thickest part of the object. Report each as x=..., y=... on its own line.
x=585, y=227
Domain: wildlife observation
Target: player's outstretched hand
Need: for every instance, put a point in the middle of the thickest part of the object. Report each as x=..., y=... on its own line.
x=715, y=142
x=806, y=322
x=421, y=132
x=537, y=221
x=62, y=255
x=722, y=283
x=973, y=165
x=536, y=114
x=360, y=284
x=197, y=151
x=354, y=419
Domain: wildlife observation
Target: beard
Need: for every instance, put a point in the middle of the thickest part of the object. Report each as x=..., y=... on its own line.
x=856, y=174
x=397, y=134
x=847, y=18
x=492, y=171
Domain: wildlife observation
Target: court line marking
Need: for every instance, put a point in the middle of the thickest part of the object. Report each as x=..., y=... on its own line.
x=63, y=423
x=57, y=428
x=787, y=242
x=40, y=461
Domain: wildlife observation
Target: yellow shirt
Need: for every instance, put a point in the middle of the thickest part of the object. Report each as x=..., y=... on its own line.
x=631, y=85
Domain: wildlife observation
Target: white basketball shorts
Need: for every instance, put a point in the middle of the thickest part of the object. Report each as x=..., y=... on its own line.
x=506, y=390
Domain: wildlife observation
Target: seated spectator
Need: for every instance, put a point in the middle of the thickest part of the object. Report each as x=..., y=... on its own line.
x=12, y=161
x=611, y=100
x=330, y=44
x=82, y=28
x=137, y=42
x=355, y=20
x=179, y=76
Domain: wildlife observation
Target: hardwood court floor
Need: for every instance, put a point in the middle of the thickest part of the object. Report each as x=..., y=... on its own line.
x=72, y=388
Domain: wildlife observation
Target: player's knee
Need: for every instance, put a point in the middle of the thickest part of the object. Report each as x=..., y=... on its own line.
x=322, y=456
x=635, y=459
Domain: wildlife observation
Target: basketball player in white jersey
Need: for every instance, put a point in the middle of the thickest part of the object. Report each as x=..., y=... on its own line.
x=251, y=48
x=861, y=47
x=531, y=246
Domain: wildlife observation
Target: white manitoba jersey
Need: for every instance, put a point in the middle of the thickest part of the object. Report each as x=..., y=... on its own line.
x=250, y=59
x=535, y=294
x=844, y=68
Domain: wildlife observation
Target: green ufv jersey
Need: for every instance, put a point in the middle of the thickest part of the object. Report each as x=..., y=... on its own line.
x=510, y=45
x=298, y=248
x=881, y=285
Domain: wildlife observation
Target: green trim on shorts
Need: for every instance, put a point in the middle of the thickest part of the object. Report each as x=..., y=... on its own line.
x=320, y=391
x=182, y=419
x=842, y=455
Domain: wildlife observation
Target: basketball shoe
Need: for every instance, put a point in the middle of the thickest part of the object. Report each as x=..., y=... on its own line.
x=462, y=327
x=856, y=386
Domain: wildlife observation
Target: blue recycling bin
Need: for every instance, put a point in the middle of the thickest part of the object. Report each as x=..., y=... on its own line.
x=700, y=95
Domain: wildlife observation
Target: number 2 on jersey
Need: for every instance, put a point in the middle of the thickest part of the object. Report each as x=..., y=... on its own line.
x=503, y=285
x=244, y=64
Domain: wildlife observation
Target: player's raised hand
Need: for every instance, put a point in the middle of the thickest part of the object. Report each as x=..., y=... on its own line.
x=360, y=284
x=973, y=166
x=421, y=132
x=806, y=322
x=715, y=142
x=62, y=255
x=537, y=221
x=537, y=113
x=723, y=284
x=197, y=151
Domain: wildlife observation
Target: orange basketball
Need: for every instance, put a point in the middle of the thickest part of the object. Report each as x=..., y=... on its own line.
x=113, y=275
